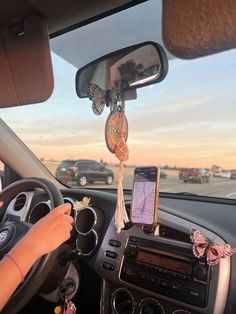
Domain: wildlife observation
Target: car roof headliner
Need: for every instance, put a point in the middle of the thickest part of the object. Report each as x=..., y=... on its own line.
x=62, y=14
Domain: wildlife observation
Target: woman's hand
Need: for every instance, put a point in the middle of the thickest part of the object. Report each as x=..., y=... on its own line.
x=50, y=231
x=46, y=235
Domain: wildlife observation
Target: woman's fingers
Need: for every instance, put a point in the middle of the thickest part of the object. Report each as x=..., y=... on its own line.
x=64, y=208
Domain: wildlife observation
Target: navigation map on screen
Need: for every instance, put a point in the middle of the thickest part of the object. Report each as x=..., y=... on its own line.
x=144, y=196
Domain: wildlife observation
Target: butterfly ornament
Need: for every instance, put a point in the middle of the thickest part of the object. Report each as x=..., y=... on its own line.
x=213, y=252
x=100, y=98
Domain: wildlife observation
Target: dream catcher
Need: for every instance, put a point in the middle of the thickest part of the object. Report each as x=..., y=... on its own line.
x=116, y=133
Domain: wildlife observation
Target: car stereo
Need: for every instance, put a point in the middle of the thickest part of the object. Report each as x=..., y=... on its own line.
x=166, y=269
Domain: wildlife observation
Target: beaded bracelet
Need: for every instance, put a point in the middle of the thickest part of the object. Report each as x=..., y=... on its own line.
x=17, y=266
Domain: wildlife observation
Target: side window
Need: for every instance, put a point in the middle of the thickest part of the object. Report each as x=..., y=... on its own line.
x=89, y=165
x=83, y=165
x=80, y=165
x=96, y=166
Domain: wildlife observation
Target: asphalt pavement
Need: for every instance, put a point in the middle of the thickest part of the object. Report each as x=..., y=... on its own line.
x=218, y=187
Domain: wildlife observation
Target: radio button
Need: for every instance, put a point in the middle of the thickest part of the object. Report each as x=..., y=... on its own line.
x=164, y=283
x=176, y=287
x=114, y=243
x=142, y=276
x=195, y=293
x=152, y=280
x=133, y=239
x=111, y=254
x=129, y=272
x=182, y=276
x=199, y=272
x=130, y=252
x=108, y=266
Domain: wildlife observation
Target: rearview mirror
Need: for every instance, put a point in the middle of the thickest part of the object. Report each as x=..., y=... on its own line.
x=128, y=68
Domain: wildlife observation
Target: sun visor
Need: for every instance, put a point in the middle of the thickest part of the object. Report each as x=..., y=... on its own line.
x=197, y=28
x=26, y=75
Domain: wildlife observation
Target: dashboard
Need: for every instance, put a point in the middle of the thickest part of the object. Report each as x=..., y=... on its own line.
x=142, y=270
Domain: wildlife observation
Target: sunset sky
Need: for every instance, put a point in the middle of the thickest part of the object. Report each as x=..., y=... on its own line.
x=189, y=119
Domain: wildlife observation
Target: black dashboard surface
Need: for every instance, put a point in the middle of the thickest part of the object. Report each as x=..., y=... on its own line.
x=180, y=213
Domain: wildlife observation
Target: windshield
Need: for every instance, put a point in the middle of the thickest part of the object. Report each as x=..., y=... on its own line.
x=185, y=124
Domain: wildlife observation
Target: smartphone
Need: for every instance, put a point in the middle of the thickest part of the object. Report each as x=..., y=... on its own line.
x=144, y=205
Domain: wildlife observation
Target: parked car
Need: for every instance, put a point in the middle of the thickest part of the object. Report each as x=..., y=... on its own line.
x=85, y=171
x=217, y=173
x=225, y=174
x=182, y=173
x=163, y=174
x=63, y=171
x=196, y=175
x=233, y=175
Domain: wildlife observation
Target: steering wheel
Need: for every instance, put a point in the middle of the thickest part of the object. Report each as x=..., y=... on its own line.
x=12, y=232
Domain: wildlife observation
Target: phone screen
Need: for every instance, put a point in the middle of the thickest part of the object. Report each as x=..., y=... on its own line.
x=145, y=195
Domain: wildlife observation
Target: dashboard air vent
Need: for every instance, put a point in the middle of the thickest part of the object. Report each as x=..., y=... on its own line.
x=20, y=202
x=170, y=233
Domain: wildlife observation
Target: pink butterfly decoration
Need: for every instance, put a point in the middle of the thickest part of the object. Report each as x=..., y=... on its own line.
x=213, y=252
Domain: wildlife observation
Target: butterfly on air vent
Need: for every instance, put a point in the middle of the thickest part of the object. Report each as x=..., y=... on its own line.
x=213, y=252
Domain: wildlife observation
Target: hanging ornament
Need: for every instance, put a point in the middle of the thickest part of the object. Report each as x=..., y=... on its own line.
x=116, y=133
x=116, y=130
x=100, y=98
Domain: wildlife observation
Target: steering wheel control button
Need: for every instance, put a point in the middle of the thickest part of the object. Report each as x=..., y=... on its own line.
x=108, y=266
x=111, y=254
x=114, y=243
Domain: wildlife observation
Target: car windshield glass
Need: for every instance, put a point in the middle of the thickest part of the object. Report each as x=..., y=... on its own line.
x=183, y=124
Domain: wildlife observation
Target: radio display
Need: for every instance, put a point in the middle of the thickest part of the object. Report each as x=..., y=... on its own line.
x=165, y=262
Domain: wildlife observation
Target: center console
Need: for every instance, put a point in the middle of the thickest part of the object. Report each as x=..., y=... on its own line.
x=144, y=273
x=168, y=270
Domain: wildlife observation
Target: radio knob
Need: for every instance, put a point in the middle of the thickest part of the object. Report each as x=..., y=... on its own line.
x=199, y=272
x=130, y=252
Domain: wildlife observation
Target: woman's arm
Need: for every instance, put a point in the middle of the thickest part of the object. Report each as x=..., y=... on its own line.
x=45, y=236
